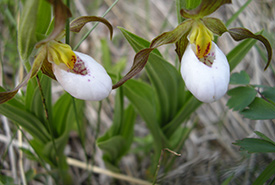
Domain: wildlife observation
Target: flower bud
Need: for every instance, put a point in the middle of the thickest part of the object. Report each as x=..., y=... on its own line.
x=206, y=78
x=88, y=80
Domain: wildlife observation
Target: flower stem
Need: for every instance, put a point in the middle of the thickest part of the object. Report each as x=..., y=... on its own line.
x=87, y=34
x=67, y=39
x=97, y=130
x=160, y=159
x=79, y=129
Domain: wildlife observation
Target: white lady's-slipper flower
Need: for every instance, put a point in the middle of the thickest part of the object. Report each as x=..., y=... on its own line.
x=207, y=78
x=88, y=80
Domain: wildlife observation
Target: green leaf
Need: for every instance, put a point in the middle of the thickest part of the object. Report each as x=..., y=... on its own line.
x=61, y=14
x=264, y=137
x=259, y=109
x=6, y=180
x=44, y=17
x=268, y=172
x=241, y=97
x=168, y=83
x=106, y=55
x=236, y=55
x=27, y=29
x=190, y=105
x=269, y=93
x=64, y=115
x=235, y=15
x=29, y=154
x=33, y=100
x=227, y=181
x=241, y=78
x=116, y=142
x=254, y=145
x=25, y=119
x=191, y=4
x=49, y=152
x=242, y=33
x=141, y=95
x=112, y=149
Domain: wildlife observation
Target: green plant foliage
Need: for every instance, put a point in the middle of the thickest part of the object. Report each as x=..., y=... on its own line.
x=241, y=78
x=227, y=181
x=64, y=115
x=27, y=28
x=260, y=109
x=241, y=97
x=263, y=145
x=25, y=119
x=268, y=172
x=264, y=137
x=236, y=55
x=255, y=145
x=191, y=4
x=6, y=180
x=116, y=142
x=33, y=99
x=44, y=17
x=269, y=93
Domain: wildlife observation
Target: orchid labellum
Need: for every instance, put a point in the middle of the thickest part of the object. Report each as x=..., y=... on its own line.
x=87, y=80
x=207, y=78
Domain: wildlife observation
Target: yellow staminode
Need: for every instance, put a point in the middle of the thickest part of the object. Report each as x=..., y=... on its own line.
x=202, y=37
x=61, y=53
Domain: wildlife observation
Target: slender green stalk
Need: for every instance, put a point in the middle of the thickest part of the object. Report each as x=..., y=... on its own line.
x=48, y=124
x=98, y=119
x=96, y=136
x=179, y=5
x=158, y=167
x=79, y=130
x=46, y=113
x=87, y=34
x=160, y=160
x=67, y=38
x=97, y=128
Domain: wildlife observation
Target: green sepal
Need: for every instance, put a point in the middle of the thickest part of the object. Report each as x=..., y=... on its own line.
x=181, y=46
x=77, y=24
x=215, y=25
x=242, y=33
x=172, y=36
x=140, y=60
x=46, y=69
x=205, y=8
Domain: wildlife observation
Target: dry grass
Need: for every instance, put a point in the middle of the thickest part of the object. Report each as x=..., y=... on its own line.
x=208, y=156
